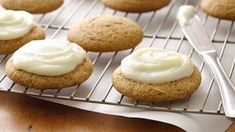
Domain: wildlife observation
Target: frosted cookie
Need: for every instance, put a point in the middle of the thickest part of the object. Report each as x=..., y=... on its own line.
x=16, y=29
x=106, y=33
x=32, y=6
x=156, y=75
x=136, y=5
x=49, y=64
x=224, y=9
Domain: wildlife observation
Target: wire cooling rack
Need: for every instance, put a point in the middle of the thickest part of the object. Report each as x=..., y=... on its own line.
x=161, y=30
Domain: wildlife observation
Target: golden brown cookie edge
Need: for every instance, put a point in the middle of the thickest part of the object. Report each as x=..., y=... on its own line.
x=214, y=9
x=11, y=5
x=157, y=92
x=80, y=74
x=121, y=5
x=9, y=46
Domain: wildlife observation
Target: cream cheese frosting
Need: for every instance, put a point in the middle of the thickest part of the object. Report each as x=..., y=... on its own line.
x=185, y=14
x=15, y=24
x=153, y=65
x=48, y=57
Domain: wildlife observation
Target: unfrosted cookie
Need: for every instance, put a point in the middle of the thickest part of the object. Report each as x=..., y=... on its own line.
x=106, y=33
x=17, y=28
x=224, y=9
x=136, y=5
x=32, y=6
x=9, y=46
x=49, y=64
x=156, y=75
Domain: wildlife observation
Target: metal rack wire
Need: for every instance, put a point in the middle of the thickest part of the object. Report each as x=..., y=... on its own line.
x=161, y=30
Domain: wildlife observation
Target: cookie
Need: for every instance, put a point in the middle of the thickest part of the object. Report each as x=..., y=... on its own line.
x=175, y=90
x=106, y=33
x=9, y=46
x=224, y=9
x=17, y=28
x=32, y=6
x=136, y=5
x=77, y=76
x=49, y=64
x=157, y=75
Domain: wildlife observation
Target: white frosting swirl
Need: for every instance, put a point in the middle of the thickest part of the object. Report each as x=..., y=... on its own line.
x=153, y=65
x=48, y=57
x=185, y=14
x=15, y=24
